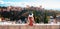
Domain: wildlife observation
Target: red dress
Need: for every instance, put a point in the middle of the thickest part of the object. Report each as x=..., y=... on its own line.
x=31, y=21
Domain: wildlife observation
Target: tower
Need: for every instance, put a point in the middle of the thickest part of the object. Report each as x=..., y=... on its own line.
x=27, y=6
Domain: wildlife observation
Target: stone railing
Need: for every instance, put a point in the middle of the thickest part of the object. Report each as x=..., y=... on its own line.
x=26, y=26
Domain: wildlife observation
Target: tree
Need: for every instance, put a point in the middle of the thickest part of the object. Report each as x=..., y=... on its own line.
x=45, y=17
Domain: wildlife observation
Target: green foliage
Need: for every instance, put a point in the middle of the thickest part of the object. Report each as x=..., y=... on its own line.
x=39, y=16
x=45, y=18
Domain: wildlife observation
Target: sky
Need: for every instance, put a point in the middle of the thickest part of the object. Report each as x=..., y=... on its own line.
x=48, y=4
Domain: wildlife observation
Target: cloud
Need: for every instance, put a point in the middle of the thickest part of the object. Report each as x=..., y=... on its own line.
x=32, y=3
x=45, y=3
x=16, y=3
x=22, y=3
x=1, y=2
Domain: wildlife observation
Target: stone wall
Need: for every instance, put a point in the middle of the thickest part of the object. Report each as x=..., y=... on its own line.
x=29, y=27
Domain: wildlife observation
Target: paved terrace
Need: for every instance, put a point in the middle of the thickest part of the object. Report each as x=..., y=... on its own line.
x=26, y=26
